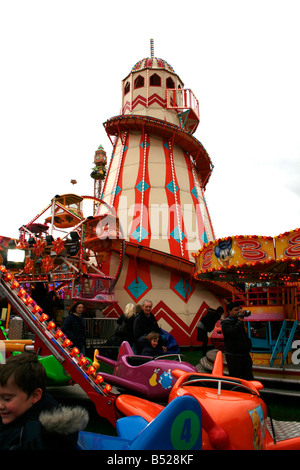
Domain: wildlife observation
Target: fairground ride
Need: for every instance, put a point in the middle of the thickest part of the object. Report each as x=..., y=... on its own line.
x=67, y=250
x=265, y=272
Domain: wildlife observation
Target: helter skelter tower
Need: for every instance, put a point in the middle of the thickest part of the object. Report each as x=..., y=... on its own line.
x=156, y=182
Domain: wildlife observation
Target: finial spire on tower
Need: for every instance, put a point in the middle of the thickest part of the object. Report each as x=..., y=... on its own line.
x=152, y=47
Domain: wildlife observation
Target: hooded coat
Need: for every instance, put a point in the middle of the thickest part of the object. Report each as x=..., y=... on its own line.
x=44, y=426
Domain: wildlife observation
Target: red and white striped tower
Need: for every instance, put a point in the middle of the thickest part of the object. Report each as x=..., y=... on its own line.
x=156, y=182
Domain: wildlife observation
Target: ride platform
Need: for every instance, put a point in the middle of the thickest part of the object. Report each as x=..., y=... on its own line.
x=280, y=380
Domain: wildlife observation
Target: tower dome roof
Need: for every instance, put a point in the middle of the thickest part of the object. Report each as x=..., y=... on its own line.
x=152, y=63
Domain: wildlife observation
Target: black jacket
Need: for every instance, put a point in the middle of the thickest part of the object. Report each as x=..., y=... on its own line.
x=44, y=426
x=74, y=329
x=143, y=325
x=236, y=338
x=125, y=328
x=149, y=350
x=210, y=319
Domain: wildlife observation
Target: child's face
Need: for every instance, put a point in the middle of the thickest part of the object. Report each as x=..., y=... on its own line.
x=14, y=402
x=154, y=342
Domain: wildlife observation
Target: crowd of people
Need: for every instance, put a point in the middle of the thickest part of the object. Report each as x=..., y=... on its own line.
x=134, y=326
x=139, y=327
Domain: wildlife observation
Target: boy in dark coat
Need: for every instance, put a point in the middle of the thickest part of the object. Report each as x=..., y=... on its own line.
x=237, y=343
x=30, y=419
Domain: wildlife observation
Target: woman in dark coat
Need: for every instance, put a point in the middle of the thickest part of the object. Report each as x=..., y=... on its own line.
x=74, y=326
x=206, y=325
x=124, y=330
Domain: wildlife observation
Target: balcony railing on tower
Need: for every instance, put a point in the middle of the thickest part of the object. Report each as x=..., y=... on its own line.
x=187, y=106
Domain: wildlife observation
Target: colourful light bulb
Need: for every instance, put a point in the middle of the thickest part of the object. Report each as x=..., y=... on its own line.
x=91, y=370
x=98, y=379
x=22, y=292
x=107, y=388
x=67, y=343
x=15, y=285
x=8, y=277
x=28, y=300
x=74, y=352
x=51, y=325
x=43, y=317
x=82, y=361
x=36, y=309
x=58, y=334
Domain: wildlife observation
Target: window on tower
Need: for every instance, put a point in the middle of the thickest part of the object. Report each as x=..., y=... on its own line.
x=170, y=83
x=139, y=82
x=155, y=80
x=127, y=88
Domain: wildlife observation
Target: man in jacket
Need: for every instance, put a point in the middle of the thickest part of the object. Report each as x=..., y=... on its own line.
x=237, y=343
x=143, y=324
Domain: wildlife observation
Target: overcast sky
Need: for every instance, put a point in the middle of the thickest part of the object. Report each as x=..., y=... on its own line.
x=62, y=63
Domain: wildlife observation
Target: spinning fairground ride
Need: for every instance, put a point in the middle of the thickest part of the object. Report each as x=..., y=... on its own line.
x=265, y=272
x=78, y=255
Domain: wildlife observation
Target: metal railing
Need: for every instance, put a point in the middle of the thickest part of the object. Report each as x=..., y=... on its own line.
x=268, y=296
x=99, y=330
x=181, y=98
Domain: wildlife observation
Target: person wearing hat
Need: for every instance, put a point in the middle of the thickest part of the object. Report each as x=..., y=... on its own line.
x=237, y=343
x=206, y=325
